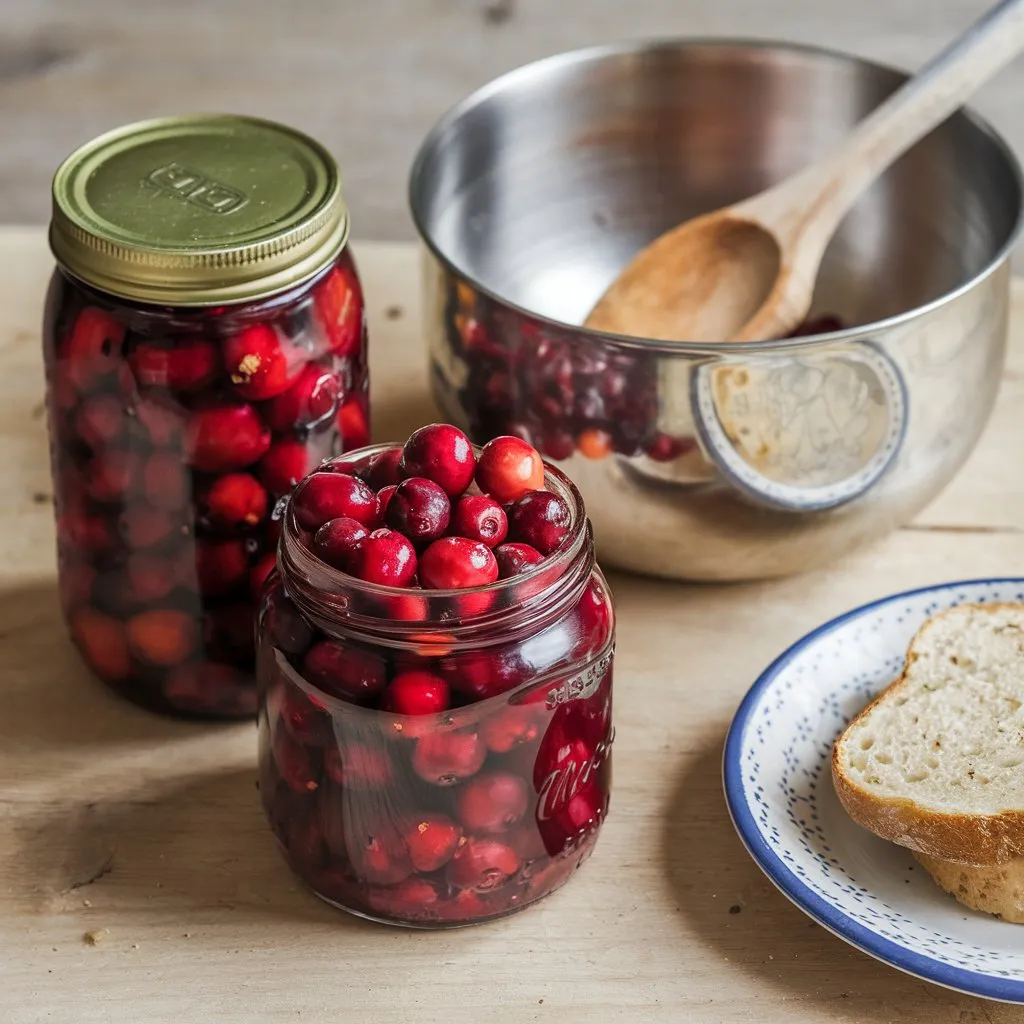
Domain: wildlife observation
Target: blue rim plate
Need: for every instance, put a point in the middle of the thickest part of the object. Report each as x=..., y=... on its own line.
x=778, y=787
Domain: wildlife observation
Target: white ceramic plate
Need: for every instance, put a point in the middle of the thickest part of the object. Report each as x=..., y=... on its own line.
x=778, y=786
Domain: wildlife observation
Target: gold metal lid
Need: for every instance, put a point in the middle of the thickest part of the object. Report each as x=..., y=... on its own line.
x=198, y=210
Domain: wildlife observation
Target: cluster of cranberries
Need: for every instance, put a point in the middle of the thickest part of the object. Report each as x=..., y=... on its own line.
x=473, y=777
x=174, y=433
x=560, y=390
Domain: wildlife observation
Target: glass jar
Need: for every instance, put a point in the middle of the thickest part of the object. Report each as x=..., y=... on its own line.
x=205, y=347
x=449, y=818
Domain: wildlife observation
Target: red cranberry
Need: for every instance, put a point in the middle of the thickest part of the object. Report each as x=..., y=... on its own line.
x=515, y=559
x=478, y=517
x=414, y=898
x=150, y=577
x=309, y=401
x=509, y=728
x=142, y=526
x=287, y=462
x=416, y=693
x=456, y=563
x=492, y=802
x=482, y=864
x=259, y=572
x=86, y=534
x=431, y=841
x=339, y=307
x=325, y=495
x=664, y=448
x=100, y=421
x=232, y=502
x=480, y=674
x=383, y=470
x=164, y=481
x=163, y=636
x=385, y=557
x=306, y=720
x=102, y=642
x=162, y=423
x=445, y=758
x=351, y=673
x=287, y=629
x=358, y=765
x=261, y=362
x=221, y=565
x=293, y=763
x=540, y=519
x=93, y=347
x=384, y=496
x=111, y=474
x=335, y=542
x=465, y=905
x=594, y=443
x=509, y=468
x=352, y=425
x=593, y=618
x=419, y=509
x=227, y=436
x=442, y=453
x=188, y=364
x=558, y=445
x=377, y=863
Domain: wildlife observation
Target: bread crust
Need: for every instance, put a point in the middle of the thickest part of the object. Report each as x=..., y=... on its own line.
x=963, y=839
x=991, y=888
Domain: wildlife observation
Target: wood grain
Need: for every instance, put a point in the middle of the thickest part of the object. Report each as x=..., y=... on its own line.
x=370, y=77
x=139, y=884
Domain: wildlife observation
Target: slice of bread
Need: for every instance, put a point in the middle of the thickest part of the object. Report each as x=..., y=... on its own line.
x=936, y=762
x=993, y=888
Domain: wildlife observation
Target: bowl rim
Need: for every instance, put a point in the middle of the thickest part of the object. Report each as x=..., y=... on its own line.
x=587, y=54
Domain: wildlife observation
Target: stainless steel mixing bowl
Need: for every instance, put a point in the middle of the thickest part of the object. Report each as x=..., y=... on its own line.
x=702, y=461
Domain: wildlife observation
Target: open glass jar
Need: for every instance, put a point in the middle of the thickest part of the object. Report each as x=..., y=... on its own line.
x=443, y=819
x=205, y=347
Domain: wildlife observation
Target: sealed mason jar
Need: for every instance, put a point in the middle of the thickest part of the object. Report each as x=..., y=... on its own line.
x=453, y=817
x=205, y=347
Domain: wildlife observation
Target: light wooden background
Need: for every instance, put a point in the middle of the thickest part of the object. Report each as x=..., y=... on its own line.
x=369, y=77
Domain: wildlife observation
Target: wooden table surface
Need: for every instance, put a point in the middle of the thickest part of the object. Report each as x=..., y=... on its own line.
x=139, y=883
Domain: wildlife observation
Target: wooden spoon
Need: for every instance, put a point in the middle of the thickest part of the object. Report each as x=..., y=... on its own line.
x=747, y=272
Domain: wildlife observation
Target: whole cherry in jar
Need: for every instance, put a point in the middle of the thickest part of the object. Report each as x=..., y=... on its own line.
x=205, y=348
x=435, y=719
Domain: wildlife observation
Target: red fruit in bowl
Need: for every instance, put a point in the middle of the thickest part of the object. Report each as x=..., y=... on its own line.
x=509, y=468
x=514, y=559
x=259, y=572
x=385, y=557
x=185, y=365
x=336, y=541
x=478, y=517
x=221, y=565
x=93, y=347
x=345, y=671
x=352, y=424
x=383, y=469
x=100, y=421
x=232, y=502
x=312, y=399
x=491, y=802
x=431, y=841
x=442, y=453
x=416, y=693
x=225, y=436
x=326, y=495
x=261, y=362
x=358, y=765
x=540, y=519
x=419, y=509
x=443, y=759
x=287, y=462
x=384, y=496
x=164, y=481
x=457, y=563
x=482, y=864
x=510, y=727
x=339, y=309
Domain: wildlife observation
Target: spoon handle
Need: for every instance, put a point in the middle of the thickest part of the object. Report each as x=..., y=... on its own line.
x=827, y=189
